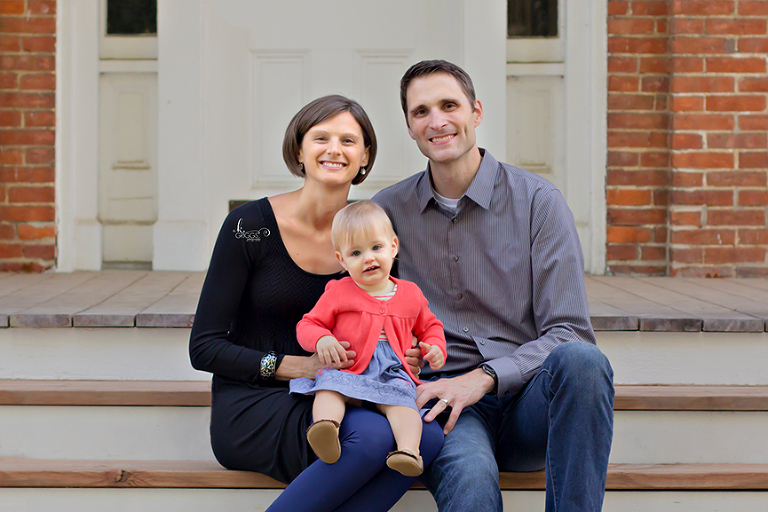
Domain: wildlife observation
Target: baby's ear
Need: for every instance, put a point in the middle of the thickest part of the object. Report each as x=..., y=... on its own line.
x=341, y=260
x=395, y=245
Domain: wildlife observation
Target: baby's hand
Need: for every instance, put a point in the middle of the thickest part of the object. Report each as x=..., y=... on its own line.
x=330, y=351
x=433, y=355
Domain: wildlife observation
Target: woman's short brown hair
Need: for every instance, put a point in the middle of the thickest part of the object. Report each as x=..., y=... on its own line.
x=315, y=113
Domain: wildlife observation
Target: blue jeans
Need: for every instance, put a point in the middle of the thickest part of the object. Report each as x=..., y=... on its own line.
x=561, y=421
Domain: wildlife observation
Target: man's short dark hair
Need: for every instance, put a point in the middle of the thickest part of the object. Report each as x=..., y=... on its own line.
x=321, y=110
x=429, y=67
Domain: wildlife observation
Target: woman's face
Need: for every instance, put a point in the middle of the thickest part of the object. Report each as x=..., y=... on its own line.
x=333, y=151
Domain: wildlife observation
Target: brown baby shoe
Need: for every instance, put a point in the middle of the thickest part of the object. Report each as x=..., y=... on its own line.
x=323, y=437
x=405, y=463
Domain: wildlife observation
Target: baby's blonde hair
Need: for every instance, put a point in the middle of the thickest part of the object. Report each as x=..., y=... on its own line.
x=361, y=218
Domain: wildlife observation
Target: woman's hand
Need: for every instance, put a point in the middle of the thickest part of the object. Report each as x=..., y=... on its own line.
x=433, y=355
x=294, y=367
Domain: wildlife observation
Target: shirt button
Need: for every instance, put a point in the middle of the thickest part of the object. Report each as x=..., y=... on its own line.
x=458, y=296
x=482, y=342
x=466, y=329
x=454, y=220
x=455, y=258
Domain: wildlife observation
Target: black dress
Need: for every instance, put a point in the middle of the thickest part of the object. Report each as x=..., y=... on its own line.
x=253, y=297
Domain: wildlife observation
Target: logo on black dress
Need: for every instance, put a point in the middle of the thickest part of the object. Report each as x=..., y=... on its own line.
x=250, y=236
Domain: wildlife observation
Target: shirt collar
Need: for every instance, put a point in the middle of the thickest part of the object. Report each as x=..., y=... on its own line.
x=480, y=190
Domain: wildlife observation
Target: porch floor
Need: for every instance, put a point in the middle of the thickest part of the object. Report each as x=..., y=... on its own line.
x=134, y=298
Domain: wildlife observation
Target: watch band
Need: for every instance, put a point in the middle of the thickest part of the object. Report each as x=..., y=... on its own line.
x=490, y=371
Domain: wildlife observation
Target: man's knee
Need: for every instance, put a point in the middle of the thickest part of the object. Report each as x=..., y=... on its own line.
x=581, y=359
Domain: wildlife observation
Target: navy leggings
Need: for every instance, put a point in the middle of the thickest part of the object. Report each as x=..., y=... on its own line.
x=360, y=480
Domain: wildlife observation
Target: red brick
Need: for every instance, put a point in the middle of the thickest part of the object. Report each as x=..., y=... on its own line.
x=703, y=160
x=659, y=235
x=7, y=232
x=31, y=195
x=27, y=213
x=653, y=253
x=616, y=8
x=753, y=7
x=748, y=26
x=27, y=137
x=627, y=234
x=753, y=236
x=621, y=252
x=687, y=179
x=736, y=179
x=2, y=194
x=661, y=26
x=27, y=100
x=753, y=45
x=31, y=25
x=753, y=84
x=661, y=102
x=678, y=218
x=687, y=103
x=631, y=26
x=704, y=237
x=753, y=198
x=8, y=80
x=27, y=174
x=736, y=103
x=40, y=155
x=637, y=45
x=24, y=267
x=12, y=7
x=10, y=43
x=11, y=251
x=646, y=270
x=10, y=118
x=736, y=217
x=39, y=44
x=42, y=7
x=28, y=62
x=737, y=140
x=686, y=141
x=700, y=45
x=702, y=7
x=687, y=26
x=654, y=159
x=649, y=8
x=622, y=159
x=44, y=252
x=623, y=83
x=661, y=197
x=638, y=178
x=702, y=84
x=655, y=84
x=735, y=65
x=751, y=272
x=753, y=122
x=638, y=121
x=30, y=232
x=654, y=65
x=630, y=102
x=621, y=139
x=707, y=272
x=38, y=118
x=44, y=81
x=693, y=255
x=753, y=160
x=720, y=255
x=622, y=64
x=628, y=197
x=10, y=157
x=684, y=121
x=702, y=197
x=636, y=217
x=686, y=64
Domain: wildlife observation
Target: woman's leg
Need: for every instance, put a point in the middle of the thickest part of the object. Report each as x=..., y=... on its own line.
x=366, y=439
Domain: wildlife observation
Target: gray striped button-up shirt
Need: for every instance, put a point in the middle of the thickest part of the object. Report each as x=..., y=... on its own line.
x=505, y=273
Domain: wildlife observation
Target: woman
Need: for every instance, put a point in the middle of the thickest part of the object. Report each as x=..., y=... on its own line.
x=271, y=262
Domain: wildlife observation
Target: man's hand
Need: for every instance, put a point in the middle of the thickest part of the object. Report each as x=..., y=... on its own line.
x=433, y=355
x=457, y=392
x=413, y=357
x=330, y=351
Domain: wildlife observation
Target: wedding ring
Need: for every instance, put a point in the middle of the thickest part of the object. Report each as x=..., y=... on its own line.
x=445, y=400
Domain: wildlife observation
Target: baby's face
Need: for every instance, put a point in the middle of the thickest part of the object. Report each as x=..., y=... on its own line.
x=368, y=259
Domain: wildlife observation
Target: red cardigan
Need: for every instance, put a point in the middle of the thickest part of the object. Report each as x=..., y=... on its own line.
x=348, y=313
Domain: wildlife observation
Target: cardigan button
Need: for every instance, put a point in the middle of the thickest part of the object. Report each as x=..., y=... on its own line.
x=381, y=311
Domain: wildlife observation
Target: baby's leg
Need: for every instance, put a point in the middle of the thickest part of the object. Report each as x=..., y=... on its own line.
x=323, y=434
x=406, y=427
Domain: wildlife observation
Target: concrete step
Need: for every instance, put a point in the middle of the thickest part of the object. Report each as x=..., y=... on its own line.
x=37, y=485
x=133, y=353
x=169, y=420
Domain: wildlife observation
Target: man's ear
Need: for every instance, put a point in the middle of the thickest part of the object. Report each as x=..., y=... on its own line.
x=478, y=113
x=341, y=260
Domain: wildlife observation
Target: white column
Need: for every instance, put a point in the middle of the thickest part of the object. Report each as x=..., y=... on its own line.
x=77, y=116
x=180, y=239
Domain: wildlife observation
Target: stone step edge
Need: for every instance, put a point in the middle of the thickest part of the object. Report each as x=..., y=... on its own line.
x=38, y=473
x=198, y=394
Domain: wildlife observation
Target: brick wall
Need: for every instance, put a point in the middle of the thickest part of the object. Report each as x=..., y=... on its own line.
x=688, y=150
x=27, y=121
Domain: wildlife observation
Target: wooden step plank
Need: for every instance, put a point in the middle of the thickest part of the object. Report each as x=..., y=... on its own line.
x=605, y=317
x=19, y=472
x=197, y=394
x=15, y=282
x=738, y=293
x=121, y=309
x=177, y=309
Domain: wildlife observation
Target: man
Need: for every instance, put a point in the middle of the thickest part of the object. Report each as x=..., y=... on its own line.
x=495, y=250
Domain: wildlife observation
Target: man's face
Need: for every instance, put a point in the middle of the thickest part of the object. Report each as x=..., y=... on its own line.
x=441, y=119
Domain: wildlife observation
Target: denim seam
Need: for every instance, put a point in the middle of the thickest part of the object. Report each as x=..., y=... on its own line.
x=549, y=433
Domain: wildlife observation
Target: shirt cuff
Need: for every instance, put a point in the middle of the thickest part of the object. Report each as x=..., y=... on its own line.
x=510, y=378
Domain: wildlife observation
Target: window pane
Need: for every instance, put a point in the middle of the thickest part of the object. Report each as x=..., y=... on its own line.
x=531, y=18
x=129, y=17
